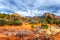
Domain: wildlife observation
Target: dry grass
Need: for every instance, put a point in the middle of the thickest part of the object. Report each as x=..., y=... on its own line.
x=24, y=26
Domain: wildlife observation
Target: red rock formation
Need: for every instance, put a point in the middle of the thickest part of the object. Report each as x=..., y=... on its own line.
x=52, y=15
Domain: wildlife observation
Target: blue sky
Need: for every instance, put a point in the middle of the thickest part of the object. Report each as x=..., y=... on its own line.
x=30, y=7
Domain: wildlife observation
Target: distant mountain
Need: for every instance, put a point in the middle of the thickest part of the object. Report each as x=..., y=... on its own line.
x=52, y=15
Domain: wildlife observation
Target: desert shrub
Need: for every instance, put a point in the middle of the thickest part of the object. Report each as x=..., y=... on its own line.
x=41, y=20
x=32, y=26
x=34, y=22
x=58, y=22
x=14, y=22
x=1, y=15
x=49, y=19
x=44, y=26
x=2, y=22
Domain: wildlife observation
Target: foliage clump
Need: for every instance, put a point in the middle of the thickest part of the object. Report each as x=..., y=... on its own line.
x=14, y=19
x=44, y=26
x=14, y=22
x=2, y=22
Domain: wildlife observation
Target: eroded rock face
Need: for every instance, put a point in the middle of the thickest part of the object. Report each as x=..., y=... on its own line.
x=52, y=15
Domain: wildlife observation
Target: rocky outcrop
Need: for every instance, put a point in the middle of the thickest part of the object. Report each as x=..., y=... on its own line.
x=52, y=15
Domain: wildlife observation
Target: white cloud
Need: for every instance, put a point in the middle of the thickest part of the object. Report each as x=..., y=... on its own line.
x=32, y=12
x=27, y=13
x=2, y=7
x=33, y=7
x=47, y=2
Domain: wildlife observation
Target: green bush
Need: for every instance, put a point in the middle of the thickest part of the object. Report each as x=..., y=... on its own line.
x=49, y=19
x=14, y=22
x=2, y=22
x=41, y=20
x=56, y=21
x=44, y=26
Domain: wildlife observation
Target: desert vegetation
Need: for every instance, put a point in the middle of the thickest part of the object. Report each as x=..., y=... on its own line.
x=16, y=19
x=17, y=27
